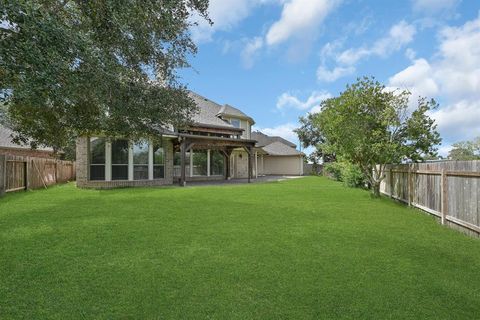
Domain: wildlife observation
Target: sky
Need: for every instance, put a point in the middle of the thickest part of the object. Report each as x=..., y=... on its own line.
x=276, y=60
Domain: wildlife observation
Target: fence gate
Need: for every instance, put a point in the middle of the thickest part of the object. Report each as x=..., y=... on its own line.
x=17, y=177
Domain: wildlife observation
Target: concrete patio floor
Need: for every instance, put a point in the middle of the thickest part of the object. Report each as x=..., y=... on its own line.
x=272, y=178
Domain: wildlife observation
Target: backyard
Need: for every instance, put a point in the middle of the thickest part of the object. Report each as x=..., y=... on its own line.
x=306, y=248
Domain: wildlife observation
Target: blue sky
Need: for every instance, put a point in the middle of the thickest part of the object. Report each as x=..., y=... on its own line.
x=277, y=59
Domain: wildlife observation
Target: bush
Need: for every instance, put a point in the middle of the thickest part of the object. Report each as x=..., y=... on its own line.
x=348, y=173
x=333, y=170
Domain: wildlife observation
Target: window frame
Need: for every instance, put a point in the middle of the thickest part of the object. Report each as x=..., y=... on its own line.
x=127, y=165
x=134, y=164
x=162, y=147
x=91, y=164
x=232, y=120
x=211, y=163
x=193, y=163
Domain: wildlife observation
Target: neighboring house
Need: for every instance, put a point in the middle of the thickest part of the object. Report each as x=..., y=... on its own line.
x=279, y=156
x=7, y=146
x=218, y=145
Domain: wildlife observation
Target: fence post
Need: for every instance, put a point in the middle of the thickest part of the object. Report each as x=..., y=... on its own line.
x=391, y=182
x=25, y=174
x=444, y=191
x=3, y=174
x=410, y=189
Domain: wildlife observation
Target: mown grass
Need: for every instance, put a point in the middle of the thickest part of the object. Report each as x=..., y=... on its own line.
x=304, y=249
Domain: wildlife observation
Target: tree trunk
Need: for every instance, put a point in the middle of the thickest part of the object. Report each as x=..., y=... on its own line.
x=376, y=189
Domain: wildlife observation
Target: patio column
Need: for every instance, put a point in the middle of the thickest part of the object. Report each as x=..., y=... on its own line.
x=182, y=162
x=250, y=154
x=227, y=154
x=256, y=164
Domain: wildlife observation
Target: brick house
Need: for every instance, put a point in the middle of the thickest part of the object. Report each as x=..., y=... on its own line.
x=219, y=145
x=8, y=147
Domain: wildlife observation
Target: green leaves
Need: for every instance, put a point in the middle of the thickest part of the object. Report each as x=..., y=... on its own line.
x=80, y=67
x=465, y=150
x=368, y=125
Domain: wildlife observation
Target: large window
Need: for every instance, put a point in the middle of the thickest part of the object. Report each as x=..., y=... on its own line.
x=158, y=162
x=97, y=159
x=216, y=163
x=177, y=162
x=124, y=160
x=235, y=123
x=140, y=160
x=119, y=160
x=200, y=163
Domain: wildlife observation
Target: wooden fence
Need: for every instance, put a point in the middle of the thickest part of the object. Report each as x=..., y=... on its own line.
x=23, y=173
x=449, y=190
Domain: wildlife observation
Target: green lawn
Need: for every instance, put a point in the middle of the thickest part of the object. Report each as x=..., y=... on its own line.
x=304, y=249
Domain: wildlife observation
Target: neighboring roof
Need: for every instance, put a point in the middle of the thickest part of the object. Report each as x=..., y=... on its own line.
x=6, y=141
x=208, y=111
x=280, y=149
x=264, y=140
x=228, y=110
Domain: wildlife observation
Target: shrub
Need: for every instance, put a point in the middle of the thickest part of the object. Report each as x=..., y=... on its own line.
x=333, y=170
x=348, y=173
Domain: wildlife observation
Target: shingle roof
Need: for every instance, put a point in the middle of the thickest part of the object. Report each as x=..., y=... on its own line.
x=264, y=140
x=6, y=141
x=280, y=149
x=208, y=111
x=228, y=110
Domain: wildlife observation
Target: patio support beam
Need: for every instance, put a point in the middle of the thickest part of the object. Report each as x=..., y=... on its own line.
x=182, y=162
x=249, y=167
x=227, y=152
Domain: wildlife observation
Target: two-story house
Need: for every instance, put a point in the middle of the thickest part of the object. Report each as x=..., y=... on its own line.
x=218, y=145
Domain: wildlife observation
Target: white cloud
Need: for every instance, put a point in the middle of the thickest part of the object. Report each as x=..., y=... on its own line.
x=225, y=15
x=459, y=121
x=323, y=74
x=399, y=35
x=287, y=100
x=453, y=75
x=418, y=77
x=250, y=51
x=434, y=6
x=298, y=17
x=410, y=54
x=284, y=130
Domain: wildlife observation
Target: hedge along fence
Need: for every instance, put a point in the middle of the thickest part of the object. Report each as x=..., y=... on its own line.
x=449, y=190
x=23, y=173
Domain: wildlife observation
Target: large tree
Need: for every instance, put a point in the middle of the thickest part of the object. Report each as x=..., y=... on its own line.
x=371, y=126
x=70, y=67
x=465, y=150
x=310, y=135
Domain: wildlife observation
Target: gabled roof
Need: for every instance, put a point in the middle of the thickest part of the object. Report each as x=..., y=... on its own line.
x=264, y=140
x=280, y=149
x=208, y=111
x=6, y=141
x=228, y=110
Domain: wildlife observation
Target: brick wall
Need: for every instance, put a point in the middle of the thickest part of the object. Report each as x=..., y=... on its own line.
x=83, y=178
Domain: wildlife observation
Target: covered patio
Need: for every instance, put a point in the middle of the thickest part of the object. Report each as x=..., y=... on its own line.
x=189, y=143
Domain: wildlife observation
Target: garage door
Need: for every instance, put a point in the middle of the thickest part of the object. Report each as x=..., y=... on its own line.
x=283, y=165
